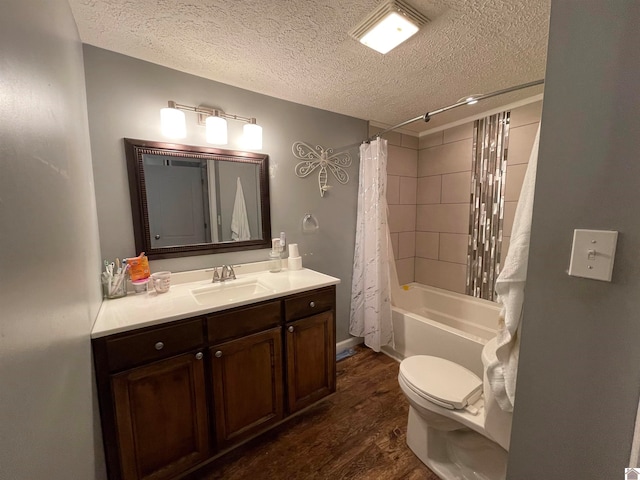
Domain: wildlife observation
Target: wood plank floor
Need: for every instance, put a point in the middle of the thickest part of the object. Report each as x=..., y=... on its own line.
x=357, y=433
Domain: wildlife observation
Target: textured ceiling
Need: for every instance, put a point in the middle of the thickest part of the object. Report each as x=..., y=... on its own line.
x=301, y=50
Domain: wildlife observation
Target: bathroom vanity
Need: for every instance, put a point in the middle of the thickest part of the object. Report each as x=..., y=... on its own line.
x=185, y=376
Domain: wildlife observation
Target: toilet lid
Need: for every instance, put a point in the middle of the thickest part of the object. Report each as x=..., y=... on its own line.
x=441, y=381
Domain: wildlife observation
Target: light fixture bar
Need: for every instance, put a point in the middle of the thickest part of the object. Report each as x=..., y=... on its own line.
x=215, y=121
x=205, y=112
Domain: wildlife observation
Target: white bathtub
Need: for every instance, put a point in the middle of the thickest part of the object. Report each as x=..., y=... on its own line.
x=432, y=321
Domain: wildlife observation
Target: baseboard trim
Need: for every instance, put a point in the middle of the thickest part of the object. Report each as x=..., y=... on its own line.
x=348, y=343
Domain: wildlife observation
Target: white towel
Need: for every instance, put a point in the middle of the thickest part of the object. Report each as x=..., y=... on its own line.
x=239, y=220
x=510, y=285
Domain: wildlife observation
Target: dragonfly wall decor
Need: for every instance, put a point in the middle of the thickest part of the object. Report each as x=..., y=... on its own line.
x=322, y=159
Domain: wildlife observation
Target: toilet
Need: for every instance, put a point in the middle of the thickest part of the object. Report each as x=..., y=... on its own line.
x=455, y=426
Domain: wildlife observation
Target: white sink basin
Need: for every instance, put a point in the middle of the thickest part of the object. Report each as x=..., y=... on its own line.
x=230, y=291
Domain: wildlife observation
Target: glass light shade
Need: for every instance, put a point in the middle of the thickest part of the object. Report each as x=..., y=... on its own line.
x=252, y=136
x=172, y=123
x=390, y=32
x=216, y=130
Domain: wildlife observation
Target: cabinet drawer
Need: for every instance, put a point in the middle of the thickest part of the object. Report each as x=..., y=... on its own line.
x=155, y=344
x=309, y=303
x=243, y=321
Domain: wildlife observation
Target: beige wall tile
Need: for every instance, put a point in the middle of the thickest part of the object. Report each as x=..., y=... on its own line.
x=456, y=188
x=427, y=244
x=450, y=158
x=506, y=241
x=526, y=114
x=453, y=247
x=408, y=186
x=520, y=143
x=393, y=189
x=407, y=245
x=447, y=218
x=513, y=182
x=450, y=276
x=405, y=268
x=461, y=132
x=431, y=140
x=509, y=215
x=410, y=141
x=395, y=241
x=428, y=190
x=402, y=218
x=402, y=161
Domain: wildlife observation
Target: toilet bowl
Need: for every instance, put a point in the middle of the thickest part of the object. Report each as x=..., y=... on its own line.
x=455, y=426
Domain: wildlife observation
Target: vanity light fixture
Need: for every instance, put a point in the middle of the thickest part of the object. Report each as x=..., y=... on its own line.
x=388, y=26
x=173, y=124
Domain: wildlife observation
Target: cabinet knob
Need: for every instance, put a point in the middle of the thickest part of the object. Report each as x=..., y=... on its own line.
x=159, y=346
x=312, y=304
x=199, y=356
x=290, y=328
x=218, y=354
x=157, y=237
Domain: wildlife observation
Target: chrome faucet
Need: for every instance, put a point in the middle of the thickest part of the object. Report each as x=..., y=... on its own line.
x=227, y=273
x=216, y=276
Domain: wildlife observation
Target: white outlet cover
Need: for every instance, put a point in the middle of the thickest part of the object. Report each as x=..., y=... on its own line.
x=592, y=254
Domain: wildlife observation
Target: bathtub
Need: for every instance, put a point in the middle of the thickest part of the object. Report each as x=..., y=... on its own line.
x=431, y=321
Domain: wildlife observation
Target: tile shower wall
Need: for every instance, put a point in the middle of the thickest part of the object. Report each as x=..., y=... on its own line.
x=402, y=172
x=443, y=196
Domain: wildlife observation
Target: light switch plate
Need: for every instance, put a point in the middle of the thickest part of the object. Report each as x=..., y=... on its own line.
x=592, y=254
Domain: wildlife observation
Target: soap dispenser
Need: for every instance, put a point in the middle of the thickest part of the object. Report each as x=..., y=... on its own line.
x=275, y=262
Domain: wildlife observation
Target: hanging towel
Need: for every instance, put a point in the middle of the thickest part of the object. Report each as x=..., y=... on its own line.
x=239, y=220
x=510, y=285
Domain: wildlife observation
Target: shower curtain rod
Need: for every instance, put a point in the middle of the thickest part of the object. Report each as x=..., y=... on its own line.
x=427, y=116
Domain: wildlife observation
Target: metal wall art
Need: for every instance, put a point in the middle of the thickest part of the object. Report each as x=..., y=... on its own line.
x=324, y=159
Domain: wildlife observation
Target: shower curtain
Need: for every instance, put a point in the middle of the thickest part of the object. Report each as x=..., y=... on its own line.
x=371, y=287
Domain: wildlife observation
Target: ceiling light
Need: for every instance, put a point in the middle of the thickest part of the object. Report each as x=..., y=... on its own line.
x=173, y=124
x=388, y=26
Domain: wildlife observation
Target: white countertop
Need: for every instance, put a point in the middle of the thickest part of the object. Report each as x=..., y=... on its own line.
x=142, y=310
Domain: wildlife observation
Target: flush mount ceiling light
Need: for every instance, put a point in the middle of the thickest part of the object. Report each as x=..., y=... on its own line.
x=388, y=26
x=173, y=125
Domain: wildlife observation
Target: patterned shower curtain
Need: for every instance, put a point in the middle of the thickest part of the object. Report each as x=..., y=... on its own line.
x=371, y=286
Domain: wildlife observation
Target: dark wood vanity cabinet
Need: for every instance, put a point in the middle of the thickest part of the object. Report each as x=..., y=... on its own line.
x=174, y=396
x=310, y=347
x=247, y=385
x=153, y=402
x=161, y=417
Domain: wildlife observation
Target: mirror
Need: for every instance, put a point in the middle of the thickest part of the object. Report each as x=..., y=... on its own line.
x=188, y=200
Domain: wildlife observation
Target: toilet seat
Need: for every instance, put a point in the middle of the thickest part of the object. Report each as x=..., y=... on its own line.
x=441, y=381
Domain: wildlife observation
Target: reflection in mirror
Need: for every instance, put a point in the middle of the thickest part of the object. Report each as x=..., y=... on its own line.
x=195, y=200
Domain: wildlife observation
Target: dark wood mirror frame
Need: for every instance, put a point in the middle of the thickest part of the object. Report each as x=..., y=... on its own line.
x=135, y=149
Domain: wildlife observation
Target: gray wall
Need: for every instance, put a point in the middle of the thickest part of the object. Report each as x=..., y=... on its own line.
x=49, y=250
x=124, y=98
x=579, y=376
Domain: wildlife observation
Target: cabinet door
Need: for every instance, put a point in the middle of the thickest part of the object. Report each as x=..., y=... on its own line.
x=311, y=360
x=161, y=417
x=247, y=385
